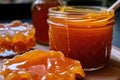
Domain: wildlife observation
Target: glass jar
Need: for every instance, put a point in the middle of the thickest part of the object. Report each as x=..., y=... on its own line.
x=39, y=17
x=83, y=33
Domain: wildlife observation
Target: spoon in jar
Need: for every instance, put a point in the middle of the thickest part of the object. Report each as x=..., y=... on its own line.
x=115, y=6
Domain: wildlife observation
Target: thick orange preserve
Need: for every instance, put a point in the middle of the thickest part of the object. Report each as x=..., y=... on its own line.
x=17, y=37
x=43, y=65
x=85, y=35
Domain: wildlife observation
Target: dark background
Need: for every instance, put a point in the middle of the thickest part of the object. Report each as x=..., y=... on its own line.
x=23, y=10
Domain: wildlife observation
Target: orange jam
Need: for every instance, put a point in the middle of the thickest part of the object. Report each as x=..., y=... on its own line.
x=82, y=33
x=41, y=65
x=16, y=36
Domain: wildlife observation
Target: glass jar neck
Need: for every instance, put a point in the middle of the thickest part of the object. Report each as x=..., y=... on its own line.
x=48, y=1
x=82, y=16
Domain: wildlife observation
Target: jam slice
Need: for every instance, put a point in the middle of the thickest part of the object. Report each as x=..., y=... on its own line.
x=16, y=36
x=41, y=65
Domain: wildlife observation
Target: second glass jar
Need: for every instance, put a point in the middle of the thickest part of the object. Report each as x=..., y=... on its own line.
x=39, y=17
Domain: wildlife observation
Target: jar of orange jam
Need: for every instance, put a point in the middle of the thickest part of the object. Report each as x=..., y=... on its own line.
x=39, y=18
x=83, y=33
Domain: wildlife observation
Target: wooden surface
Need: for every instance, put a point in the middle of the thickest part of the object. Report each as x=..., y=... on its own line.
x=109, y=72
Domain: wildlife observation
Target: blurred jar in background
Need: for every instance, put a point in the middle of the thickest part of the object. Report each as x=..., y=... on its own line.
x=39, y=17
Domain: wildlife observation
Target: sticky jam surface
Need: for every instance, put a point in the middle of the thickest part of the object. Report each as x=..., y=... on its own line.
x=16, y=36
x=41, y=65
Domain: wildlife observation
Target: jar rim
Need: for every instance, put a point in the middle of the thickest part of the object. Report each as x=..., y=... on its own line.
x=93, y=18
x=83, y=9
